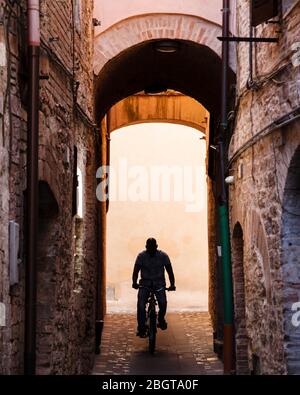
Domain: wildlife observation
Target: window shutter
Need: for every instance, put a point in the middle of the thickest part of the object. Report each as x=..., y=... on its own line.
x=263, y=10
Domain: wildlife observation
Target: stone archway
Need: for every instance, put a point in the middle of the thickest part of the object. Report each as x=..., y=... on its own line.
x=170, y=107
x=127, y=61
x=290, y=244
x=136, y=30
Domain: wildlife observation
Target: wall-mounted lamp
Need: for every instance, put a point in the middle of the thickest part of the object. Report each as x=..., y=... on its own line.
x=229, y=180
x=96, y=22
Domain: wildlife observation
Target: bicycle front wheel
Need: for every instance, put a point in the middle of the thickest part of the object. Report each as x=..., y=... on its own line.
x=152, y=332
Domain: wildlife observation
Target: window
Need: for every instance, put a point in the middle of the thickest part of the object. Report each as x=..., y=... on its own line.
x=263, y=10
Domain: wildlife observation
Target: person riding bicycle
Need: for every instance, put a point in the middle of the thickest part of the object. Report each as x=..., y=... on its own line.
x=152, y=264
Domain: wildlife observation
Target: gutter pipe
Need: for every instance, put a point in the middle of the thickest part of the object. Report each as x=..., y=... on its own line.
x=33, y=11
x=223, y=203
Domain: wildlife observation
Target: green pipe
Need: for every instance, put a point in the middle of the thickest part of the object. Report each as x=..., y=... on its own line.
x=228, y=348
x=226, y=265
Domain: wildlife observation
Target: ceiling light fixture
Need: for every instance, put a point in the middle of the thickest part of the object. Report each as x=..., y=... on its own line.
x=155, y=89
x=166, y=46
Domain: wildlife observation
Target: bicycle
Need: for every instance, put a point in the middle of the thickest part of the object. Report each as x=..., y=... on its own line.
x=151, y=317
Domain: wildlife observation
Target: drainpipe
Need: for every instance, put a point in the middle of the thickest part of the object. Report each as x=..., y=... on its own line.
x=223, y=203
x=102, y=211
x=33, y=10
x=100, y=263
x=108, y=153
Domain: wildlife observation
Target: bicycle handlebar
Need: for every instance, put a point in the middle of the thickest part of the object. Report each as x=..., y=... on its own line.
x=156, y=290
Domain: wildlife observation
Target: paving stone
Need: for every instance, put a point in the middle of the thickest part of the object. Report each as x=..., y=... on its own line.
x=185, y=348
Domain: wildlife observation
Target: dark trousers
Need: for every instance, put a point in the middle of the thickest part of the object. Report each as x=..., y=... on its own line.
x=143, y=296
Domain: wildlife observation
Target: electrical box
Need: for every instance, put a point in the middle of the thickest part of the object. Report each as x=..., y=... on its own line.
x=2, y=55
x=2, y=314
x=240, y=170
x=14, y=232
x=295, y=48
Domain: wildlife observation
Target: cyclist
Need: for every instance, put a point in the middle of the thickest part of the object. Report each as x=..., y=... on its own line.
x=152, y=264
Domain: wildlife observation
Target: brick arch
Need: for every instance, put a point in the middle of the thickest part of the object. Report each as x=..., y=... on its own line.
x=48, y=175
x=158, y=120
x=254, y=238
x=136, y=30
x=170, y=107
x=239, y=296
x=48, y=159
x=257, y=238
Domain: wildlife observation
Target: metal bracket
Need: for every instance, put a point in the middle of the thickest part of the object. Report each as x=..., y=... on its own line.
x=250, y=39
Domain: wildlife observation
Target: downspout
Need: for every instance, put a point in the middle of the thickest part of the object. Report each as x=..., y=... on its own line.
x=33, y=11
x=223, y=203
x=108, y=153
x=99, y=310
x=102, y=211
x=250, y=83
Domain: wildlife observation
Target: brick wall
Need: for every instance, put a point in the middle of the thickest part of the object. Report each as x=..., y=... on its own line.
x=66, y=312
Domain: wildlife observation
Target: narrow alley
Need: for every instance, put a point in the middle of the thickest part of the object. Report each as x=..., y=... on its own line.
x=185, y=348
x=175, y=122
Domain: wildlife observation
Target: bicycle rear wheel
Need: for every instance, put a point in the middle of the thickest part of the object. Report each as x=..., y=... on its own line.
x=152, y=332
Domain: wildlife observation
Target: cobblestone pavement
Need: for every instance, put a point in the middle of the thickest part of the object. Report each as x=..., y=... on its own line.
x=186, y=347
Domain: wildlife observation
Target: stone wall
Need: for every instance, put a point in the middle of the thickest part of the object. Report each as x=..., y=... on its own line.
x=260, y=153
x=66, y=308
x=13, y=127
